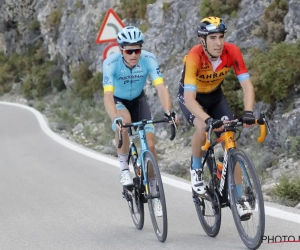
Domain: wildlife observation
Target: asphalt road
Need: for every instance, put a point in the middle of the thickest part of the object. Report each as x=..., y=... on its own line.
x=57, y=195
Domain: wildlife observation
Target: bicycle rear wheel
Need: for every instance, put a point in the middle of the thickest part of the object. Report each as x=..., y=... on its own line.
x=156, y=201
x=209, y=211
x=135, y=201
x=245, y=191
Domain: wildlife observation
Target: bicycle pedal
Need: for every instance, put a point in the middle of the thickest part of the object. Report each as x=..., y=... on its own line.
x=128, y=187
x=245, y=217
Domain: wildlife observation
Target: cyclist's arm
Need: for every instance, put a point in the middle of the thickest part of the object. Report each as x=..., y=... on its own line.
x=158, y=82
x=193, y=106
x=164, y=97
x=108, y=88
x=109, y=104
x=249, y=96
x=244, y=78
x=190, y=88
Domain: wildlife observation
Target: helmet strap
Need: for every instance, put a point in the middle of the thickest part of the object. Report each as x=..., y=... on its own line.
x=205, y=48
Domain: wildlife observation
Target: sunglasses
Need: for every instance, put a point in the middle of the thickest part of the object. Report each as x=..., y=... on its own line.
x=130, y=51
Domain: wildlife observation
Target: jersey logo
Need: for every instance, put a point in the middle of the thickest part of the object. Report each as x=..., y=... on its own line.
x=237, y=65
x=105, y=80
x=158, y=72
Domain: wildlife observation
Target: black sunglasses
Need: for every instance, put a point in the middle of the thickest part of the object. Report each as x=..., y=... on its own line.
x=130, y=51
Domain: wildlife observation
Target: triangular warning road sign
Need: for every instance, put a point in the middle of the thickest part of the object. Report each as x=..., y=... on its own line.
x=110, y=27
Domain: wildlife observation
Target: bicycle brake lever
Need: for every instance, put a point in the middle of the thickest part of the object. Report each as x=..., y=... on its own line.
x=267, y=125
x=174, y=123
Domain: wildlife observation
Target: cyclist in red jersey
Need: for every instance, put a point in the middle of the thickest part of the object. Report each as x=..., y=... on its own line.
x=200, y=95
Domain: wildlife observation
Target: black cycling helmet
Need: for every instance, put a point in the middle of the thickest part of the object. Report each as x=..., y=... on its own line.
x=210, y=25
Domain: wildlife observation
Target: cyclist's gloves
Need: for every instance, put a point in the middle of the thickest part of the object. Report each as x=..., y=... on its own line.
x=248, y=118
x=170, y=114
x=214, y=123
x=113, y=125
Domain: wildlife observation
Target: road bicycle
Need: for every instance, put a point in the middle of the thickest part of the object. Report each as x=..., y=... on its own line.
x=238, y=185
x=141, y=191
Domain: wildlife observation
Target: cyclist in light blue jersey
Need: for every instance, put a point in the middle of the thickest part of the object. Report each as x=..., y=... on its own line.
x=124, y=77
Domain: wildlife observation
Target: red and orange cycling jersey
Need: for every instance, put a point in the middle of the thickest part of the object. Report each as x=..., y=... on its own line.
x=200, y=75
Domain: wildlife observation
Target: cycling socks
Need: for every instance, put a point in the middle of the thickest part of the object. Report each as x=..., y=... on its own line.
x=123, y=161
x=197, y=163
x=239, y=190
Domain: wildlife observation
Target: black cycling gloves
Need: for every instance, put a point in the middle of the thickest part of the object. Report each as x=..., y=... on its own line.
x=248, y=118
x=215, y=123
x=170, y=114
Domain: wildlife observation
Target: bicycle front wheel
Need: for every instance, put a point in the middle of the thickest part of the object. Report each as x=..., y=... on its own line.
x=135, y=201
x=156, y=197
x=246, y=199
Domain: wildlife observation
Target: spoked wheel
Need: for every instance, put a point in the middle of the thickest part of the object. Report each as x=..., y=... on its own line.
x=156, y=198
x=135, y=197
x=209, y=211
x=246, y=199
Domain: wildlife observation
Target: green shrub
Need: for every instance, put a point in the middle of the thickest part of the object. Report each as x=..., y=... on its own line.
x=79, y=5
x=144, y=27
x=135, y=9
x=288, y=190
x=234, y=93
x=275, y=72
x=295, y=146
x=54, y=18
x=166, y=7
x=33, y=69
x=218, y=7
x=34, y=25
x=271, y=25
x=85, y=83
x=38, y=83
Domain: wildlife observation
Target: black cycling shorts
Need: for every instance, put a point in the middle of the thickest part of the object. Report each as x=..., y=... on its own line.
x=214, y=104
x=138, y=107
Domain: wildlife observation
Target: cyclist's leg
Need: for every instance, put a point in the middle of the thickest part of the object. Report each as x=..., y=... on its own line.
x=221, y=110
x=122, y=111
x=142, y=111
x=198, y=140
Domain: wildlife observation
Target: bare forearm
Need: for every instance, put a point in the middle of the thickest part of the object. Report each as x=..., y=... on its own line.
x=164, y=98
x=194, y=107
x=249, y=97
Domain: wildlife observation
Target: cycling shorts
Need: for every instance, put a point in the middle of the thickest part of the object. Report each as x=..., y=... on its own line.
x=138, y=109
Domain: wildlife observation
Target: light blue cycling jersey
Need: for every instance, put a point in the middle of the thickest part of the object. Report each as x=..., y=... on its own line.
x=128, y=83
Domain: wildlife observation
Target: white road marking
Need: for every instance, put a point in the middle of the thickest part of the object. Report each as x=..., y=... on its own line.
x=275, y=212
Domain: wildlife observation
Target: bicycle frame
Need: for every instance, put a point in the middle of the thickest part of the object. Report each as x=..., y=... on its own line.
x=143, y=143
x=229, y=143
x=144, y=148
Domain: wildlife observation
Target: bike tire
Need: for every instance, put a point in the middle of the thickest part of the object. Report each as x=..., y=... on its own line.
x=208, y=208
x=135, y=203
x=250, y=228
x=160, y=223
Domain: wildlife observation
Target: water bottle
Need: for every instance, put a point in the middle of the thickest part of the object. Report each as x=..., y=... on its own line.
x=220, y=167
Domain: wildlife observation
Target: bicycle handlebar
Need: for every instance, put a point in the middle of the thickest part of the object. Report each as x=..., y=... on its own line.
x=142, y=124
x=261, y=121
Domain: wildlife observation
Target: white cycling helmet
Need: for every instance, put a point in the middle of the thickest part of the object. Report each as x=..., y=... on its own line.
x=130, y=35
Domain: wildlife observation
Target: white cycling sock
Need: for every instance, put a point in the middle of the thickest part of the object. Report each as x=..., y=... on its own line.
x=123, y=161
